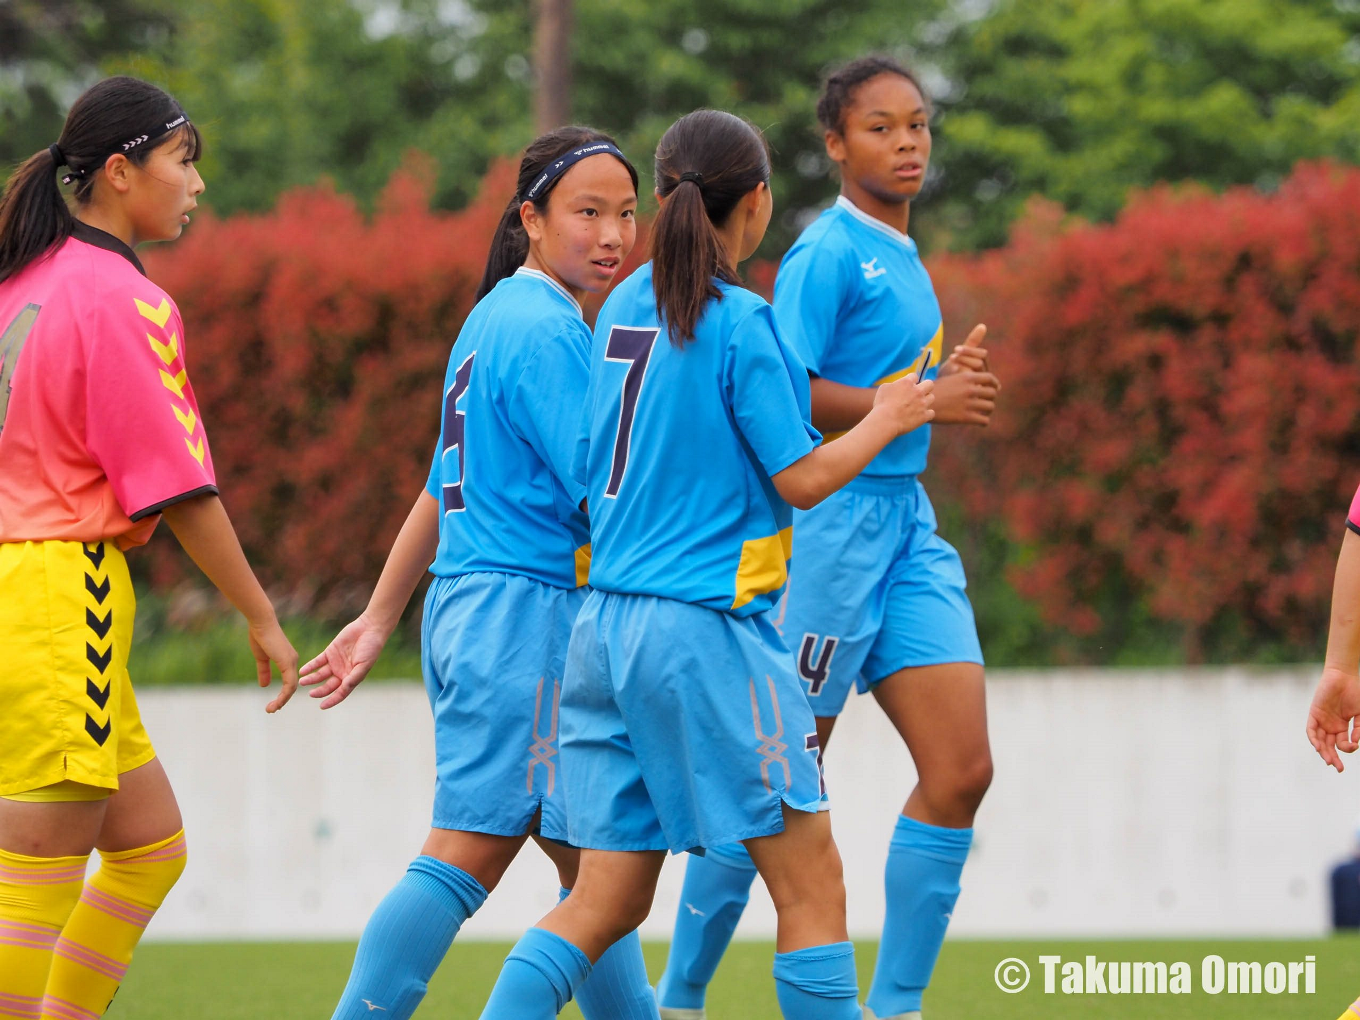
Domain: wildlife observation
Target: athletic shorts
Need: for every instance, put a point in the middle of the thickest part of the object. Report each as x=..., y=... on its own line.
x=872, y=589
x=493, y=648
x=682, y=727
x=67, y=711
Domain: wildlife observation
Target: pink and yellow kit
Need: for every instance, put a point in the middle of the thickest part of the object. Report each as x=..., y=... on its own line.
x=99, y=432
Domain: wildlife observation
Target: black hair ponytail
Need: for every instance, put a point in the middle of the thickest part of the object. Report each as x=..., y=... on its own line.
x=705, y=163
x=118, y=115
x=510, y=243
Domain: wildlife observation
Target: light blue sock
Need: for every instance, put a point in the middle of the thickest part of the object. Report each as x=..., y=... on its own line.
x=818, y=983
x=717, y=887
x=538, y=978
x=406, y=938
x=922, y=884
x=617, y=988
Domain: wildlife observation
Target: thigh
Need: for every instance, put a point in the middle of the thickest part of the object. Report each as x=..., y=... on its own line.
x=50, y=829
x=612, y=896
x=143, y=811
x=482, y=855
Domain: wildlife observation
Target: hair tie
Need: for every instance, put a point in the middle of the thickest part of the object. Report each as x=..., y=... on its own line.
x=57, y=158
x=691, y=175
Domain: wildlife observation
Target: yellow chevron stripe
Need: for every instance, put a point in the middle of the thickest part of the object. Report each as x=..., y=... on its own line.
x=189, y=421
x=175, y=383
x=168, y=352
x=160, y=316
x=936, y=351
x=196, y=449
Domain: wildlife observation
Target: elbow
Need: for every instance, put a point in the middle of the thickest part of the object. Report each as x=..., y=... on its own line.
x=797, y=494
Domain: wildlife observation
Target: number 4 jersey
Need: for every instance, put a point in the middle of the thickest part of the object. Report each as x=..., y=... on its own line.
x=678, y=447
x=501, y=471
x=99, y=429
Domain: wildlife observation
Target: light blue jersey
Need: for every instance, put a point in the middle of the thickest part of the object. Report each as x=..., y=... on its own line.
x=678, y=447
x=501, y=471
x=853, y=299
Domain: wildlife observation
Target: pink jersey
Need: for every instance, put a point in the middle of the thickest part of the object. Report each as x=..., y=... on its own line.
x=99, y=429
x=1353, y=518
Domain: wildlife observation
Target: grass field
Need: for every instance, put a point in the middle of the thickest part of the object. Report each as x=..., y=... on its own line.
x=302, y=980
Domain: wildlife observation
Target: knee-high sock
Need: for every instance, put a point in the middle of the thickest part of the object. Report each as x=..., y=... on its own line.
x=406, y=938
x=37, y=895
x=538, y=978
x=818, y=983
x=96, y=944
x=716, y=890
x=617, y=988
x=922, y=884
x=1352, y=1013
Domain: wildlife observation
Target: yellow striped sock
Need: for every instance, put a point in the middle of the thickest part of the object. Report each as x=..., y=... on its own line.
x=1353, y=1013
x=37, y=895
x=95, y=947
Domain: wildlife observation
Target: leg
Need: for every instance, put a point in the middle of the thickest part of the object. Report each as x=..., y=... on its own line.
x=617, y=988
x=814, y=966
x=612, y=896
x=142, y=854
x=941, y=713
x=411, y=930
x=43, y=851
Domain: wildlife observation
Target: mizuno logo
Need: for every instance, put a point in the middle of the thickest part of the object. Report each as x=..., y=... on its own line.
x=869, y=269
x=372, y=1007
x=695, y=910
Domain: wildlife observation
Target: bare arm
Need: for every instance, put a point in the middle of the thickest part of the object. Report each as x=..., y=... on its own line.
x=347, y=659
x=1336, y=702
x=204, y=530
x=898, y=408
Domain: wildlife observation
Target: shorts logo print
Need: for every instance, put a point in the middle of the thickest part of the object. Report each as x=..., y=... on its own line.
x=815, y=675
x=771, y=747
x=542, y=751
x=99, y=627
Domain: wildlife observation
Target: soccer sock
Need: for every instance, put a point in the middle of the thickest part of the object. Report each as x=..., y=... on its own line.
x=818, y=983
x=95, y=948
x=617, y=988
x=37, y=895
x=716, y=890
x=922, y=884
x=406, y=938
x=538, y=978
x=1351, y=1014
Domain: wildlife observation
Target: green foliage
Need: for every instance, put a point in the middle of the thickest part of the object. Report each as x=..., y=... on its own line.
x=1081, y=100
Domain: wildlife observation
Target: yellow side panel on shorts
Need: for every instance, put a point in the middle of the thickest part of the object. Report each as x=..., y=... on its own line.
x=764, y=566
x=583, y=565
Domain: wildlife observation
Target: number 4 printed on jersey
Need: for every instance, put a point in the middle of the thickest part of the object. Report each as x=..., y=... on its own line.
x=633, y=345
x=455, y=421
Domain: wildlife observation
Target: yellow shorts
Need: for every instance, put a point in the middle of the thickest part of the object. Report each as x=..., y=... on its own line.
x=67, y=711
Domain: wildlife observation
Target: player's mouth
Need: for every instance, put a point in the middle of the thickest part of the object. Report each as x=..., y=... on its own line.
x=184, y=216
x=908, y=171
x=608, y=266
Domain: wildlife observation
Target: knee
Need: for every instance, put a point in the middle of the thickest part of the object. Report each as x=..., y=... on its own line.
x=613, y=912
x=145, y=875
x=818, y=882
x=959, y=790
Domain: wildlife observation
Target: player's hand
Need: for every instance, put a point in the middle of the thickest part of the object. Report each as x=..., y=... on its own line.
x=1332, y=722
x=969, y=356
x=965, y=397
x=906, y=403
x=345, y=662
x=269, y=644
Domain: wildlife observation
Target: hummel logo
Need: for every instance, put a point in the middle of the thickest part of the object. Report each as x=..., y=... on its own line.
x=869, y=270
x=695, y=910
x=372, y=1007
x=135, y=142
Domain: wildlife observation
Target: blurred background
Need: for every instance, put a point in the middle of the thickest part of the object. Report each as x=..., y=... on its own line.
x=1154, y=205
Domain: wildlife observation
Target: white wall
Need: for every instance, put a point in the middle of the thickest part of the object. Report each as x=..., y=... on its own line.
x=1125, y=803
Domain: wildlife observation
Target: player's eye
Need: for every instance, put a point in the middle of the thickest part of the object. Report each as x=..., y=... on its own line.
x=589, y=212
x=629, y=213
x=879, y=128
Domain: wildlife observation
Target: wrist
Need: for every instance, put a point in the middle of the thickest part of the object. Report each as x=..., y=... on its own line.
x=384, y=622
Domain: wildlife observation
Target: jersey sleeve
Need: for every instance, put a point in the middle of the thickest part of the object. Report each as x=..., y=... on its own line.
x=544, y=404
x=813, y=283
x=768, y=392
x=1353, y=517
x=142, y=424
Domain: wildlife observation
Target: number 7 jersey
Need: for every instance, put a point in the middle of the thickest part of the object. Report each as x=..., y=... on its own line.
x=678, y=446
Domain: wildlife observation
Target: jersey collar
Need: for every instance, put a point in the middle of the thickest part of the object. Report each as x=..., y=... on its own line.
x=102, y=239
x=844, y=203
x=538, y=274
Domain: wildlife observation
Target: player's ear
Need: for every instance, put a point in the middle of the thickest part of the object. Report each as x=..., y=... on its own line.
x=835, y=146
x=117, y=171
x=533, y=223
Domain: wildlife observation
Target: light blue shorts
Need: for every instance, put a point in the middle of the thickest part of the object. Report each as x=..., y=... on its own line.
x=682, y=727
x=494, y=648
x=872, y=589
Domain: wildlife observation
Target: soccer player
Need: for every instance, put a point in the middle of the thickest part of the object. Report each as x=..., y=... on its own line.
x=99, y=439
x=1334, y=716
x=876, y=598
x=503, y=521
x=683, y=723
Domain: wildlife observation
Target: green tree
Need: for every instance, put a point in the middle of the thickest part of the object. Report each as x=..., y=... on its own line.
x=1081, y=100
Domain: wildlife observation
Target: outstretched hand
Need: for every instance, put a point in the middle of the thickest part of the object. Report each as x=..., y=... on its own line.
x=1332, y=718
x=345, y=662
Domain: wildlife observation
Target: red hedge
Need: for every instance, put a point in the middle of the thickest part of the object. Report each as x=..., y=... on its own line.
x=1179, y=415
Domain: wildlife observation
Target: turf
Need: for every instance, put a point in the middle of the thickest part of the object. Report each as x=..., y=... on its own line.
x=236, y=981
